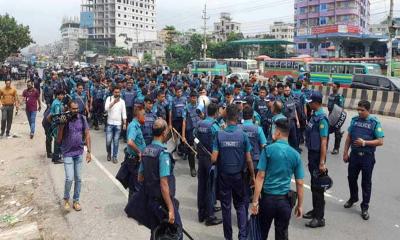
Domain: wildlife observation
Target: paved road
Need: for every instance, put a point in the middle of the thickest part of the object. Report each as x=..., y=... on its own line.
x=103, y=201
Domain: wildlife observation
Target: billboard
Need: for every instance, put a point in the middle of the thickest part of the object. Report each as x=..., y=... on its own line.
x=335, y=29
x=87, y=20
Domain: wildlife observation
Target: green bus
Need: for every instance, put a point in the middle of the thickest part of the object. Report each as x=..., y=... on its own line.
x=396, y=68
x=325, y=73
x=210, y=67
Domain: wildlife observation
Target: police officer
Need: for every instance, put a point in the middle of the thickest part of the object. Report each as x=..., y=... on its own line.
x=161, y=105
x=364, y=135
x=157, y=175
x=55, y=109
x=150, y=117
x=278, y=162
x=335, y=98
x=205, y=132
x=316, y=142
x=261, y=107
x=277, y=114
x=98, y=93
x=255, y=133
x=81, y=97
x=233, y=148
x=135, y=147
x=177, y=112
x=129, y=95
x=289, y=110
x=191, y=117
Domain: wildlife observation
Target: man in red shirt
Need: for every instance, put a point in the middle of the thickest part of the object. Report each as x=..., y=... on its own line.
x=32, y=100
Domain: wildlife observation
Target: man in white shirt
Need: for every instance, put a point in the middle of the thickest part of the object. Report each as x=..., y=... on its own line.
x=115, y=106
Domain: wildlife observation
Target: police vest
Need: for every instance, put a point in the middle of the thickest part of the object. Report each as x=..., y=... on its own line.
x=231, y=151
x=313, y=137
x=192, y=118
x=161, y=111
x=147, y=128
x=151, y=167
x=290, y=108
x=177, y=107
x=216, y=96
x=252, y=133
x=262, y=108
x=332, y=100
x=204, y=134
x=99, y=93
x=129, y=98
x=365, y=129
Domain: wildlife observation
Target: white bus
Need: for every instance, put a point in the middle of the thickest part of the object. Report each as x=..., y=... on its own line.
x=241, y=65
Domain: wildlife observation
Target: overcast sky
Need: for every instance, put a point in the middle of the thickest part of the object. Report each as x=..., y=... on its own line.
x=44, y=16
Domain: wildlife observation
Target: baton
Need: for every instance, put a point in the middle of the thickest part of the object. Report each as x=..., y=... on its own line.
x=197, y=141
x=187, y=144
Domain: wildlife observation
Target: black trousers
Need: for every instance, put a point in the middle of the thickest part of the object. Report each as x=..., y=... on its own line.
x=293, y=140
x=98, y=111
x=318, y=198
x=188, y=151
x=275, y=208
x=6, y=118
x=338, y=138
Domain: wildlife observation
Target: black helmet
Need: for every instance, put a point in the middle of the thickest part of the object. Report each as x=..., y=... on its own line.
x=166, y=231
x=322, y=180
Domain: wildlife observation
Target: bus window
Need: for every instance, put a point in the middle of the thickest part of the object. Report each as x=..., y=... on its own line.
x=359, y=70
x=349, y=69
x=283, y=64
x=289, y=65
x=326, y=68
x=313, y=68
x=340, y=69
x=243, y=65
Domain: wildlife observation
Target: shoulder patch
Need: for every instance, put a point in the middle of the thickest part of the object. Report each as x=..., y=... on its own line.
x=321, y=126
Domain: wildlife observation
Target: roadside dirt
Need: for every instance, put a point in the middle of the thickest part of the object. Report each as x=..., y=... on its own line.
x=26, y=189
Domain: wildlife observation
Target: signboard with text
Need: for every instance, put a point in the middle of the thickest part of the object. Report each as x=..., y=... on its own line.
x=335, y=29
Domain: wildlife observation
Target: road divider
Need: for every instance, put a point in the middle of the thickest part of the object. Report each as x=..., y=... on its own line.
x=382, y=102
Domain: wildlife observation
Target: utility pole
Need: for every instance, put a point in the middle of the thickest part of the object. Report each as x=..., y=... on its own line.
x=390, y=40
x=204, y=45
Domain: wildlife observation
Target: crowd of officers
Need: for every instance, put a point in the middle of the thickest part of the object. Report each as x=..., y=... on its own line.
x=246, y=137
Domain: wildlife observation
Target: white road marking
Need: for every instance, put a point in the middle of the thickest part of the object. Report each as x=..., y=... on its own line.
x=327, y=194
x=110, y=176
x=397, y=226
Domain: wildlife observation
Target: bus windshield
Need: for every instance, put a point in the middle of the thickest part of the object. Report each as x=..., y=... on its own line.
x=374, y=69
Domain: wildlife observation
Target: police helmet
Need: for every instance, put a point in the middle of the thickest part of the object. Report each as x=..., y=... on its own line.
x=166, y=231
x=322, y=180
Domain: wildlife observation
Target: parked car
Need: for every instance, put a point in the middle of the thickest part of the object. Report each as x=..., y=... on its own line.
x=242, y=77
x=376, y=82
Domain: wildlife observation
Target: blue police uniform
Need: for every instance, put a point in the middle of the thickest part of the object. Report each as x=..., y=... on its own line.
x=362, y=158
x=129, y=97
x=177, y=106
x=205, y=132
x=56, y=108
x=134, y=133
x=232, y=144
x=98, y=94
x=272, y=126
x=337, y=99
x=279, y=161
x=257, y=139
x=192, y=119
x=161, y=109
x=147, y=128
x=316, y=128
x=157, y=163
x=289, y=110
x=81, y=100
x=260, y=106
x=216, y=96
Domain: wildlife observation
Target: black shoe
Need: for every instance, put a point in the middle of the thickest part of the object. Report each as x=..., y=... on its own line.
x=213, y=221
x=96, y=128
x=217, y=209
x=316, y=223
x=115, y=160
x=59, y=161
x=364, y=214
x=335, y=152
x=349, y=203
x=193, y=172
x=2, y=134
x=49, y=155
x=108, y=157
x=201, y=219
x=309, y=215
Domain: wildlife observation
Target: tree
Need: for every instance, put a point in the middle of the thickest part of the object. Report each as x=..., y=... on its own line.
x=178, y=56
x=13, y=36
x=196, y=40
x=171, y=34
x=147, y=58
x=118, y=51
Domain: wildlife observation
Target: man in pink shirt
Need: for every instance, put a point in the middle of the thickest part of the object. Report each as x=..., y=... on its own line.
x=32, y=100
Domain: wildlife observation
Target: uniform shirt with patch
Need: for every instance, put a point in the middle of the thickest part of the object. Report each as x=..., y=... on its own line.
x=135, y=134
x=164, y=161
x=323, y=124
x=378, y=132
x=262, y=140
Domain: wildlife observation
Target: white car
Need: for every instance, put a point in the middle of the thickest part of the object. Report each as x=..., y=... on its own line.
x=242, y=77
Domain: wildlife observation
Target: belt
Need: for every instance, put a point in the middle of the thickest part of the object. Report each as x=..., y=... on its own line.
x=362, y=153
x=276, y=197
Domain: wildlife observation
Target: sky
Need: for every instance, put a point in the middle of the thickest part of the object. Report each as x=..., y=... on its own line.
x=45, y=16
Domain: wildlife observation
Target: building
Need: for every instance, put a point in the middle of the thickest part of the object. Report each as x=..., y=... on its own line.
x=119, y=22
x=224, y=27
x=341, y=26
x=281, y=30
x=382, y=28
x=155, y=48
x=71, y=33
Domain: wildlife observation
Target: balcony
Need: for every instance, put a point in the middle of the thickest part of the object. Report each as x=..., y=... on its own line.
x=347, y=11
x=313, y=15
x=302, y=16
x=326, y=14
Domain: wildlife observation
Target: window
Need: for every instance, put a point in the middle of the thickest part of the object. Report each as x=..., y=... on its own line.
x=119, y=1
x=358, y=78
x=119, y=22
x=125, y=23
x=311, y=45
x=325, y=44
x=322, y=21
x=323, y=7
x=119, y=15
x=384, y=82
x=303, y=10
x=371, y=80
x=302, y=46
x=119, y=7
x=359, y=70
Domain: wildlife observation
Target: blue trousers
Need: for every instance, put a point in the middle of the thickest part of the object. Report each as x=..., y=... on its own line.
x=233, y=187
x=318, y=198
x=275, y=208
x=205, y=189
x=157, y=215
x=365, y=165
x=112, y=138
x=31, y=119
x=72, y=167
